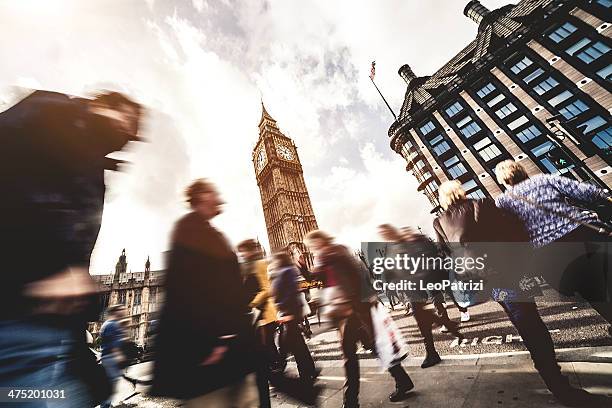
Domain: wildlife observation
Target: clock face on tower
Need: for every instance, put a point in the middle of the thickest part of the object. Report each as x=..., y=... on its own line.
x=261, y=159
x=284, y=152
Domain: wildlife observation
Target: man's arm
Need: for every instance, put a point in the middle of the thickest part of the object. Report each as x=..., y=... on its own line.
x=579, y=191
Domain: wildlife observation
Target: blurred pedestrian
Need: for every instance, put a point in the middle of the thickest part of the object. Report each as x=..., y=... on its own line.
x=290, y=305
x=470, y=227
x=347, y=301
x=572, y=252
x=113, y=336
x=52, y=182
x=416, y=245
x=255, y=276
x=205, y=348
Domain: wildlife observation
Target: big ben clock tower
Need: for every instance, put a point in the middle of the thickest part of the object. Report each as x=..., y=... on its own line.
x=284, y=197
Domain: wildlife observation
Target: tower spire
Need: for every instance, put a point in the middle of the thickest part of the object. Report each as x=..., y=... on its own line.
x=265, y=115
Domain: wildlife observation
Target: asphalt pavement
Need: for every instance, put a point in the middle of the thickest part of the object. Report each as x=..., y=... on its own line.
x=489, y=368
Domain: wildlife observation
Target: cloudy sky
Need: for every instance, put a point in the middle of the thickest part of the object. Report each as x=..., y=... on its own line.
x=201, y=66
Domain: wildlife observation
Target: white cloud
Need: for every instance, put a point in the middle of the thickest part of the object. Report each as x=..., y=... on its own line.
x=199, y=5
x=202, y=73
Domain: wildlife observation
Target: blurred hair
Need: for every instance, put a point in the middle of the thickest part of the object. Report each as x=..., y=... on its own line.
x=111, y=310
x=510, y=172
x=281, y=259
x=389, y=231
x=450, y=192
x=409, y=233
x=115, y=100
x=196, y=188
x=248, y=245
x=318, y=235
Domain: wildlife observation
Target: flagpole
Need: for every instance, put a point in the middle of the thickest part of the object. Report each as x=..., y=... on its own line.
x=383, y=98
x=372, y=73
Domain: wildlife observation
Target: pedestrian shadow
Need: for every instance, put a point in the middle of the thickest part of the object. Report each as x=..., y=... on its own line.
x=296, y=389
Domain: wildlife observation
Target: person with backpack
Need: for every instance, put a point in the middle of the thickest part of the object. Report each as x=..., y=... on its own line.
x=52, y=181
x=573, y=250
x=472, y=228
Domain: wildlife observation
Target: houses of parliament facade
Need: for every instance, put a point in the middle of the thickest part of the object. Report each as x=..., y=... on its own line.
x=140, y=292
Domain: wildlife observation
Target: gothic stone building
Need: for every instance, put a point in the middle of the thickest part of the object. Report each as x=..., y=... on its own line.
x=140, y=292
x=286, y=205
x=534, y=86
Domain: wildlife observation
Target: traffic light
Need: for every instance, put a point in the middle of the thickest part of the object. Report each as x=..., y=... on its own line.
x=558, y=158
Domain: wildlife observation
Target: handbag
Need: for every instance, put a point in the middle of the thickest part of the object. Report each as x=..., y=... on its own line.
x=390, y=344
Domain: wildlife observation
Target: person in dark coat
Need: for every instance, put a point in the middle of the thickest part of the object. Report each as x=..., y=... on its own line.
x=54, y=149
x=417, y=245
x=205, y=345
x=348, y=298
x=290, y=304
x=473, y=227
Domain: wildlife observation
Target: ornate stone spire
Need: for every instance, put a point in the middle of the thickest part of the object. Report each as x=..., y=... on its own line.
x=265, y=116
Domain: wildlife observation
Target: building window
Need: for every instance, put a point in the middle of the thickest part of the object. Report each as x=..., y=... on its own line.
x=605, y=73
x=420, y=164
x=545, y=86
x=591, y=124
x=476, y=195
x=521, y=65
x=431, y=187
x=563, y=96
x=470, y=129
x=573, y=109
x=454, y=109
x=486, y=149
x=122, y=297
x=562, y=32
x=439, y=145
x=451, y=161
x=467, y=126
x=518, y=122
x=137, y=297
x=457, y=170
x=495, y=100
x=485, y=90
x=528, y=134
x=603, y=139
x=468, y=185
x=428, y=127
x=605, y=3
x=533, y=75
x=454, y=167
x=587, y=50
x=441, y=148
x=540, y=152
x=506, y=110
